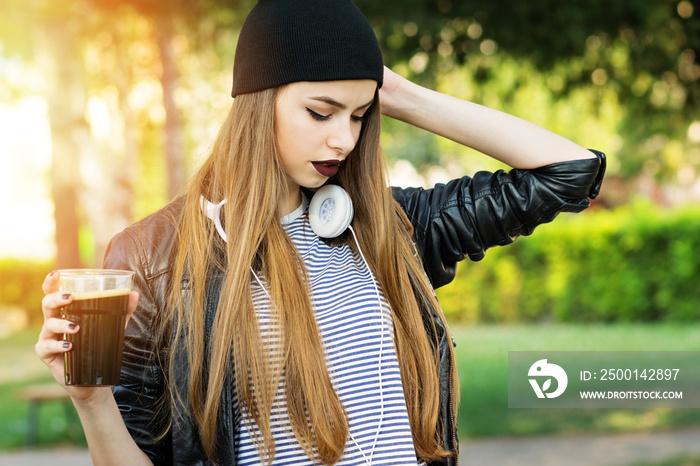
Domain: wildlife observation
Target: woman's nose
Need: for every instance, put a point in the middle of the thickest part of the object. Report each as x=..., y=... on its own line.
x=343, y=137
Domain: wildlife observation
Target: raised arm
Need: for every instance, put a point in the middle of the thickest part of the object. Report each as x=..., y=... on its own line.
x=512, y=140
x=467, y=216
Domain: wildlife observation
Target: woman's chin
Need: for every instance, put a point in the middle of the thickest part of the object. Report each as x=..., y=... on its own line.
x=316, y=183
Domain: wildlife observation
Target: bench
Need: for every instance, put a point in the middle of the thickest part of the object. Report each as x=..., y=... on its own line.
x=36, y=396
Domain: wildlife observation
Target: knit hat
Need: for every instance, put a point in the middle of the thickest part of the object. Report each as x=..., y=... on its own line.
x=286, y=41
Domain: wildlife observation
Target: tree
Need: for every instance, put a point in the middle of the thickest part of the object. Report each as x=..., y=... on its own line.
x=70, y=134
x=164, y=16
x=646, y=52
x=55, y=45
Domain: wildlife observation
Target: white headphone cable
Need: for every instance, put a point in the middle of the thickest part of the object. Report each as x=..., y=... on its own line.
x=381, y=350
x=381, y=355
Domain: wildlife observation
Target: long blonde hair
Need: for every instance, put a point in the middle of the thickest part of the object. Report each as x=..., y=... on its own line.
x=244, y=167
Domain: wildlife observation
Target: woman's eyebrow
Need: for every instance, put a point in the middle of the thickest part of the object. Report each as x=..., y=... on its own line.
x=337, y=104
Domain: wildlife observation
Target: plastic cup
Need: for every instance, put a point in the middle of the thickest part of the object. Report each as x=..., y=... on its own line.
x=99, y=307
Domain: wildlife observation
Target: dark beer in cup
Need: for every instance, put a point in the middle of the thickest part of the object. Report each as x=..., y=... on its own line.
x=99, y=307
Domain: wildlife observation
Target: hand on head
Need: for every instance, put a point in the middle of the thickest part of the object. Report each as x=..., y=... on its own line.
x=390, y=90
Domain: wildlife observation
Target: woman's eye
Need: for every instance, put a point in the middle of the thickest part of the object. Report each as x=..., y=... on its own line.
x=360, y=119
x=317, y=116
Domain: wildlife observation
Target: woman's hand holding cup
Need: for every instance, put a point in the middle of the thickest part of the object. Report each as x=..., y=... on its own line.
x=53, y=345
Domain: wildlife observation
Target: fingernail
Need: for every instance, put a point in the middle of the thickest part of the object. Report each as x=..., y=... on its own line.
x=52, y=273
x=66, y=296
x=66, y=344
x=72, y=326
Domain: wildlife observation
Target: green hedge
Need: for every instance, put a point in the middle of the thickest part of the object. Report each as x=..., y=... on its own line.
x=20, y=286
x=637, y=263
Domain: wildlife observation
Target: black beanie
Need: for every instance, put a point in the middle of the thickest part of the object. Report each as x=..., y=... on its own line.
x=286, y=41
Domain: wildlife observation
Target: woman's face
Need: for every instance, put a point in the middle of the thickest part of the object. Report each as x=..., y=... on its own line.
x=317, y=125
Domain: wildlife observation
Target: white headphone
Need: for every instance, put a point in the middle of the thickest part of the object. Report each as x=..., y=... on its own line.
x=330, y=212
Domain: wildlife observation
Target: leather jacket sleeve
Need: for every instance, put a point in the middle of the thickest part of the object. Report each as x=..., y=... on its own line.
x=143, y=383
x=465, y=217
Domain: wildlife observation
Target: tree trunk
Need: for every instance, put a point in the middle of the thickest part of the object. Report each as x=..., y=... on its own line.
x=174, y=150
x=70, y=133
x=113, y=197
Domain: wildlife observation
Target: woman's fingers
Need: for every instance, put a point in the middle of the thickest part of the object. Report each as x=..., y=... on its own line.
x=49, y=343
x=133, y=302
x=50, y=346
x=54, y=327
x=52, y=303
x=49, y=349
x=50, y=284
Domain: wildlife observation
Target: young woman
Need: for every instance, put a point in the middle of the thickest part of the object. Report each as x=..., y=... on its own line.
x=253, y=339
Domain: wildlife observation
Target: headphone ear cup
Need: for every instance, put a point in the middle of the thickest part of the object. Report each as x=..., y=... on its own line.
x=330, y=211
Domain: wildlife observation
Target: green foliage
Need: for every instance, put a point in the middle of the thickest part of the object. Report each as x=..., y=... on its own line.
x=676, y=461
x=20, y=286
x=637, y=263
x=632, y=66
x=545, y=31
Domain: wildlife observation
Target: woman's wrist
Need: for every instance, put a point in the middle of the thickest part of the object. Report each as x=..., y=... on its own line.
x=404, y=102
x=97, y=399
x=397, y=95
x=107, y=436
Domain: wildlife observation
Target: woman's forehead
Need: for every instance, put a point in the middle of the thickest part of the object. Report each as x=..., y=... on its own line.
x=348, y=93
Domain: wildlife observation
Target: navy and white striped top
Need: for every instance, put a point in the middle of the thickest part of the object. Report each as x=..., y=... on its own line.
x=356, y=338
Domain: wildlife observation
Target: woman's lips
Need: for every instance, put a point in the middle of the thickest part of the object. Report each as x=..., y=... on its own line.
x=327, y=167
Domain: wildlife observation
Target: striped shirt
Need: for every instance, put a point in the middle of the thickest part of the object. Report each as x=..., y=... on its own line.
x=357, y=339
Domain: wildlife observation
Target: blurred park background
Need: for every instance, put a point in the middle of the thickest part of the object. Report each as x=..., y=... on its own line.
x=106, y=107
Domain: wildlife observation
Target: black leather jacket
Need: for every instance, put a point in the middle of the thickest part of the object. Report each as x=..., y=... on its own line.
x=460, y=219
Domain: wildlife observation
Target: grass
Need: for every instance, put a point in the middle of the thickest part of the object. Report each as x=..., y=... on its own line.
x=482, y=353
x=482, y=358
x=58, y=421
x=679, y=461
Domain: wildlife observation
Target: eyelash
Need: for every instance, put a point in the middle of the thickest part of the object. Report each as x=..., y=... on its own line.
x=361, y=119
x=319, y=117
